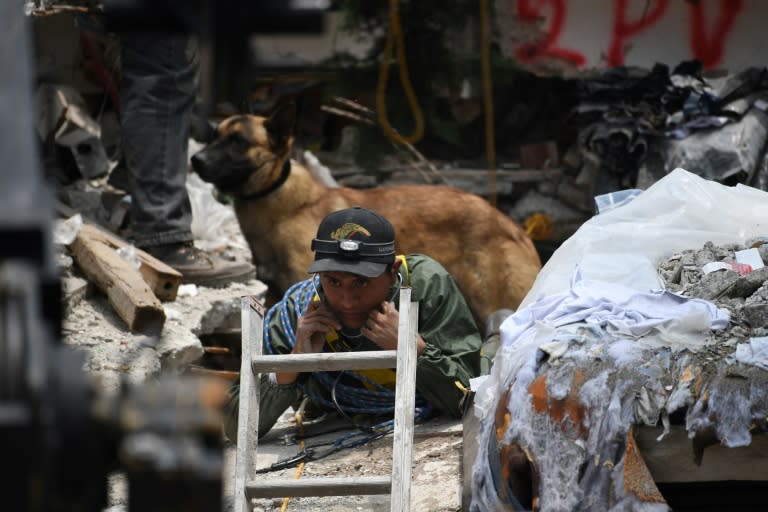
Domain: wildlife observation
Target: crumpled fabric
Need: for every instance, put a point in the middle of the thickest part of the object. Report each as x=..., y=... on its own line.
x=619, y=309
x=754, y=353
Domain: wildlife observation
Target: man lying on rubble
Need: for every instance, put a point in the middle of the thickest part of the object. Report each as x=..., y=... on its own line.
x=350, y=304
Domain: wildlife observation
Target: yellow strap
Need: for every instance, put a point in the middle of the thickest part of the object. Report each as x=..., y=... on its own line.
x=382, y=376
x=404, y=264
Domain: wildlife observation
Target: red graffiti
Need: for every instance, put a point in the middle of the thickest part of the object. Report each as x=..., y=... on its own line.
x=624, y=29
x=530, y=11
x=710, y=51
x=708, y=46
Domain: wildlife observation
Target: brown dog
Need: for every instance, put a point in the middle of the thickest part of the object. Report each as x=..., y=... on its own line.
x=279, y=206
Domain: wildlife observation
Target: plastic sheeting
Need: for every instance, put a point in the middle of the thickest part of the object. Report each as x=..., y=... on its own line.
x=626, y=244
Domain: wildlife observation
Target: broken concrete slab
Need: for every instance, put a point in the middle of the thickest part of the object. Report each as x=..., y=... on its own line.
x=73, y=289
x=64, y=117
x=756, y=314
x=178, y=347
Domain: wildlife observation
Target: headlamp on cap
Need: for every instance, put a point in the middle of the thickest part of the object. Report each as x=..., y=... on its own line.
x=354, y=249
x=349, y=245
x=355, y=240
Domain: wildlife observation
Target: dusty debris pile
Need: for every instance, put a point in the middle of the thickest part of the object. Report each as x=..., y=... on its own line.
x=713, y=273
x=580, y=371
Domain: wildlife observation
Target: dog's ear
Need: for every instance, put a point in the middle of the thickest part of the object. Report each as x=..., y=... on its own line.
x=281, y=123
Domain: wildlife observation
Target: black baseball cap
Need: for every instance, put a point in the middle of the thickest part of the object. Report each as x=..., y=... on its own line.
x=355, y=240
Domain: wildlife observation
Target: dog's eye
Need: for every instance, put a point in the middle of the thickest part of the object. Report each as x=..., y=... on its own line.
x=237, y=140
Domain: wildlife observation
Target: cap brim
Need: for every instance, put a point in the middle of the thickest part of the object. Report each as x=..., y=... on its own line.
x=358, y=267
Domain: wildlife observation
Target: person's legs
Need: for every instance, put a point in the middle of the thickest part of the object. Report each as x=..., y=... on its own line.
x=157, y=95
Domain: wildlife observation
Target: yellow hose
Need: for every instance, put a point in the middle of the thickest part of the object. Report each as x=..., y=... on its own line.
x=539, y=226
x=395, y=38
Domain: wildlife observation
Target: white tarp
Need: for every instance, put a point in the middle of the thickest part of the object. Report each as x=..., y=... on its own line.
x=625, y=245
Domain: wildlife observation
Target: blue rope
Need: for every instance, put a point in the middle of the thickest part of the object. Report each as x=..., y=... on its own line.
x=305, y=293
x=352, y=399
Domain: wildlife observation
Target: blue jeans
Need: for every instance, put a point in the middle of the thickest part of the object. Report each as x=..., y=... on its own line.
x=157, y=95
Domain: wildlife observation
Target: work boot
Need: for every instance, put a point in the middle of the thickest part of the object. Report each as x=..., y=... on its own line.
x=199, y=267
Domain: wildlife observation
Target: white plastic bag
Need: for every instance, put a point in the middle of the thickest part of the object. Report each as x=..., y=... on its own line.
x=208, y=215
x=625, y=245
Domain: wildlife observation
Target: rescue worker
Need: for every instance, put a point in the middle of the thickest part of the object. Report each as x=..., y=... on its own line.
x=351, y=304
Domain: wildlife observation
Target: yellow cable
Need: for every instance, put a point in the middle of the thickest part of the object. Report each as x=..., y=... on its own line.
x=299, y=417
x=461, y=386
x=395, y=38
x=490, y=137
x=539, y=226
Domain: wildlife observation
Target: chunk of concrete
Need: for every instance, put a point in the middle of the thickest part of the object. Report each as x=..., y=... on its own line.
x=178, y=347
x=756, y=314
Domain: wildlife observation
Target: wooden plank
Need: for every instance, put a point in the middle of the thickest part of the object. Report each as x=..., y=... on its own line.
x=405, y=402
x=671, y=459
x=331, y=361
x=127, y=292
x=339, y=486
x=162, y=279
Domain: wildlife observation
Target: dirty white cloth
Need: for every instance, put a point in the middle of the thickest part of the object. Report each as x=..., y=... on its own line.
x=755, y=353
x=618, y=309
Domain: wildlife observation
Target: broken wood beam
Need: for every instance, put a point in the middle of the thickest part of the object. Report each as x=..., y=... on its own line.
x=123, y=284
x=160, y=277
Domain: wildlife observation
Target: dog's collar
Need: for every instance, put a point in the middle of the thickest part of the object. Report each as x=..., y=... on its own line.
x=274, y=186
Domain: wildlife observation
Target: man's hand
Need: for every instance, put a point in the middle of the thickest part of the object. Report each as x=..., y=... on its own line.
x=381, y=328
x=310, y=335
x=311, y=327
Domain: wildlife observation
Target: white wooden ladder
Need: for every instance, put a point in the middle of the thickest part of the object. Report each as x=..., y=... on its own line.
x=253, y=363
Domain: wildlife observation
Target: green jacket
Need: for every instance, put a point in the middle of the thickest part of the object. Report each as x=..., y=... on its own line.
x=445, y=323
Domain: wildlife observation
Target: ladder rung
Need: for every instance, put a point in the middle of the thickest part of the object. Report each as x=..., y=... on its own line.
x=276, y=487
x=325, y=361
